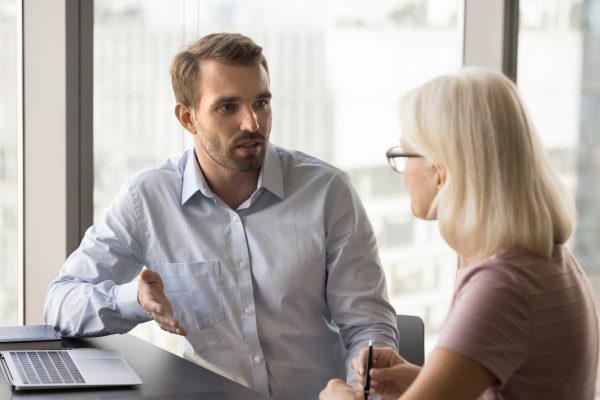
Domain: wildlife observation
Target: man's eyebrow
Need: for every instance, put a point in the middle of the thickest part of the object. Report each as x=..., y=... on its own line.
x=226, y=99
x=234, y=99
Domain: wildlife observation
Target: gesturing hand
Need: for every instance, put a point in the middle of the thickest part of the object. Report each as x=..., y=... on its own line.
x=391, y=375
x=151, y=296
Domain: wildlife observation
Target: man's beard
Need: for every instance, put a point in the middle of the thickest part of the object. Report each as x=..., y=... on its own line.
x=227, y=158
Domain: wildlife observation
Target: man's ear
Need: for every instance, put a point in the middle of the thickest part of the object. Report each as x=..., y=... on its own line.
x=442, y=175
x=186, y=118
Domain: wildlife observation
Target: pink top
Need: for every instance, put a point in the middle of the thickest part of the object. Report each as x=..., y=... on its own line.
x=530, y=321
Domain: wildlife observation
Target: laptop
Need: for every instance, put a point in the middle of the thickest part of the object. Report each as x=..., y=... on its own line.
x=60, y=369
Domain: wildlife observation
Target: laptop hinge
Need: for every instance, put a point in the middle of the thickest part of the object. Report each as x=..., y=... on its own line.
x=6, y=370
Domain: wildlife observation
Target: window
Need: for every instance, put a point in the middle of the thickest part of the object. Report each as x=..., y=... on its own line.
x=558, y=74
x=338, y=70
x=9, y=148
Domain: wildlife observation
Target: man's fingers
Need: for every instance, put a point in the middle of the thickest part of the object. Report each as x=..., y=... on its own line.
x=168, y=323
x=163, y=319
x=154, y=308
x=181, y=331
x=167, y=327
x=175, y=328
x=151, y=306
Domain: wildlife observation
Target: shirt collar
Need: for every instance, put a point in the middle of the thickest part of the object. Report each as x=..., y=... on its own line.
x=271, y=176
x=193, y=179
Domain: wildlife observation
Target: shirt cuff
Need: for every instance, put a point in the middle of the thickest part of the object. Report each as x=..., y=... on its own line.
x=127, y=302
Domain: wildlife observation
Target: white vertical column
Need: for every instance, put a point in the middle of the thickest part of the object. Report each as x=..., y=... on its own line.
x=57, y=146
x=44, y=139
x=490, y=31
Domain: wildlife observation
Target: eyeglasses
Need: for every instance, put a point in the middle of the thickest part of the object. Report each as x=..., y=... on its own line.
x=396, y=157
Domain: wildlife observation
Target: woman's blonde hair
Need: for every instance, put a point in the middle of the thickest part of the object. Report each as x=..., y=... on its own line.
x=500, y=189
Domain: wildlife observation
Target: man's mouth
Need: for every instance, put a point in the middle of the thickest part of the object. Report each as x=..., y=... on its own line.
x=249, y=143
x=249, y=146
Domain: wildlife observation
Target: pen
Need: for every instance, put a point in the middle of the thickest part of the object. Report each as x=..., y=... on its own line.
x=369, y=365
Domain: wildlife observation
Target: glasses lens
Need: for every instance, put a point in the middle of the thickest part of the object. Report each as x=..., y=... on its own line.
x=395, y=158
x=397, y=163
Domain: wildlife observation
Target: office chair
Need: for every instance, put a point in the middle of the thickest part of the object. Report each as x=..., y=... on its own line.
x=411, y=344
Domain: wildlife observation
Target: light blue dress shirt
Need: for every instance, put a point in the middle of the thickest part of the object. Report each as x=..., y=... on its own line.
x=277, y=295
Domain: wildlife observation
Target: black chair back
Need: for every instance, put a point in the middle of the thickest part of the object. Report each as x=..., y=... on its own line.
x=411, y=345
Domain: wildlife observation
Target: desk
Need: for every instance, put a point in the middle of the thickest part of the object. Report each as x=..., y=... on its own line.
x=165, y=376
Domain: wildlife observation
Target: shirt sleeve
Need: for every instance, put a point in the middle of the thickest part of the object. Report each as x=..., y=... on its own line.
x=489, y=321
x=95, y=293
x=356, y=287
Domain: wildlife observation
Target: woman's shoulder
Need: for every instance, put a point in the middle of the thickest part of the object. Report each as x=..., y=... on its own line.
x=519, y=267
x=503, y=268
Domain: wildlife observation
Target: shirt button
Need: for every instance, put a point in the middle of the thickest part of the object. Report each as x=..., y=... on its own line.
x=236, y=218
x=257, y=359
x=249, y=311
x=243, y=264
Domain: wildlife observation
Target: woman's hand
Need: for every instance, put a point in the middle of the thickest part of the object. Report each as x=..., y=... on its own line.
x=390, y=374
x=338, y=390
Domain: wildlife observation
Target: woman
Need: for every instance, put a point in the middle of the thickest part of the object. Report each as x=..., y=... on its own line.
x=523, y=320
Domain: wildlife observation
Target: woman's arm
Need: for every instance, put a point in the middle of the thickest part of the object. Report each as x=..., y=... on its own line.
x=449, y=375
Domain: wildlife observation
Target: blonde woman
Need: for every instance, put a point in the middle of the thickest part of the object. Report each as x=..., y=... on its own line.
x=523, y=320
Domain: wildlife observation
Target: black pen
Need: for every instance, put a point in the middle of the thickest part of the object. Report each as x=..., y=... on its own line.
x=369, y=365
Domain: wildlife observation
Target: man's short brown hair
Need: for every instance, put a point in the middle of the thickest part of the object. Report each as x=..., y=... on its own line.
x=226, y=48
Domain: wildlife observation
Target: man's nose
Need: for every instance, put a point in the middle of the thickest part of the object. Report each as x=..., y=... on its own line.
x=249, y=122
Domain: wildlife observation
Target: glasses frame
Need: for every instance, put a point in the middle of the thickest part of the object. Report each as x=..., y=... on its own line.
x=396, y=158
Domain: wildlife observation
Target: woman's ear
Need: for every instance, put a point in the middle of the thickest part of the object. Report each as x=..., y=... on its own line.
x=185, y=116
x=442, y=175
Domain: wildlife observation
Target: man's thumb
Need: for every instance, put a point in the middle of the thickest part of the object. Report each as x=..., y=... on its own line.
x=149, y=276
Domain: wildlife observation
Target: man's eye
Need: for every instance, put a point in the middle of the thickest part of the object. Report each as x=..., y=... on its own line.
x=227, y=107
x=262, y=104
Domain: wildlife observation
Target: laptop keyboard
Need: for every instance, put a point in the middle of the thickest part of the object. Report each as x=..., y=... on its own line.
x=46, y=367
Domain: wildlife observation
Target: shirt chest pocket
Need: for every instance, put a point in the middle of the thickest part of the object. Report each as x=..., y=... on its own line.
x=194, y=290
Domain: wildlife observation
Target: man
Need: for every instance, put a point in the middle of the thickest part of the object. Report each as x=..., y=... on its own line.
x=261, y=258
